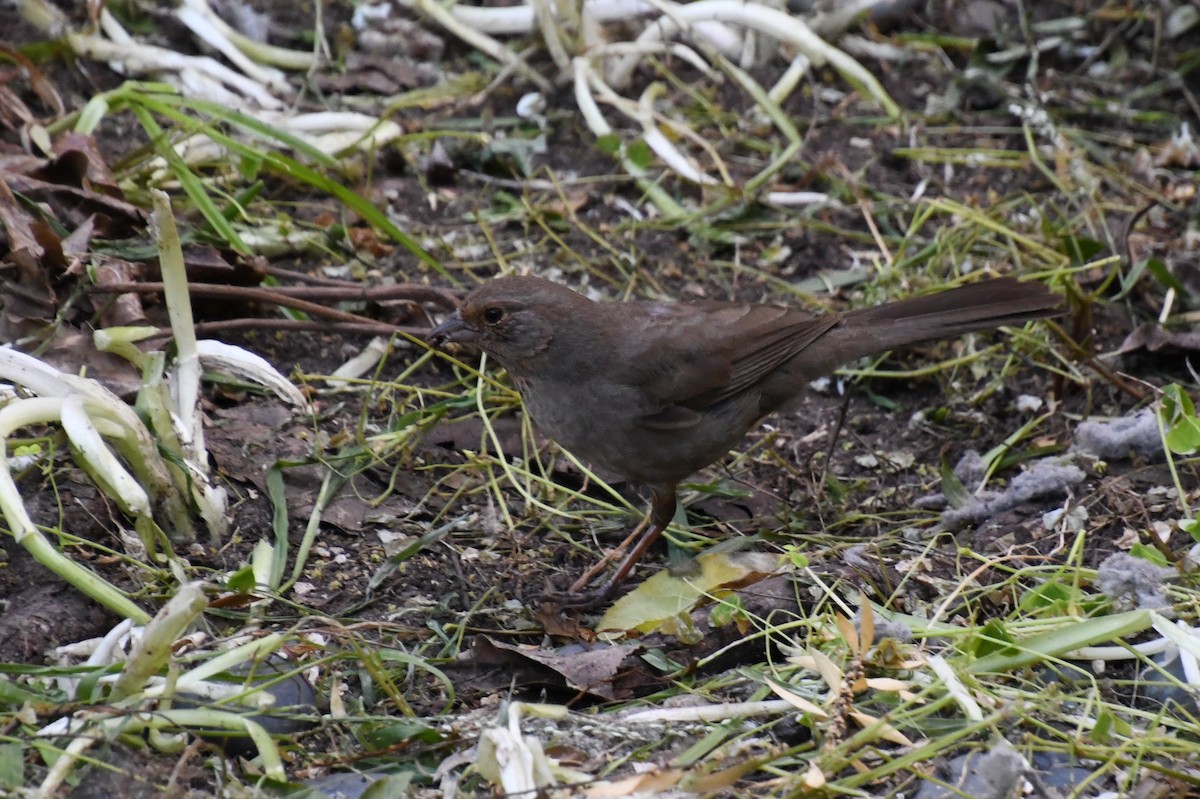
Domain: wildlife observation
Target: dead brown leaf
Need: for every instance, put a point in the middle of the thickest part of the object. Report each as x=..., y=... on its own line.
x=582, y=668
x=1153, y=337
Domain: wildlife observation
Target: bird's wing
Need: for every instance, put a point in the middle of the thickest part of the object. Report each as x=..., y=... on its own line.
x=691, y=356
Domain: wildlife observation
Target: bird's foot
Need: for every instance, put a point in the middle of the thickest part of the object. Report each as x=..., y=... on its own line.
x=585, y=600
x=609, y=557
x=573, y=599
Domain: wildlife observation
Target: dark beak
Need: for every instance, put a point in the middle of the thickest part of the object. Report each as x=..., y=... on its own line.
x=453, y=329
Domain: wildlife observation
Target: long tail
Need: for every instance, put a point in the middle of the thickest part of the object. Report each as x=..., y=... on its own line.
x=978, y=306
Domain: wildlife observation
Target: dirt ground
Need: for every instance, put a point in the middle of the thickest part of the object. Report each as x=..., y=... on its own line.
x=843, y=479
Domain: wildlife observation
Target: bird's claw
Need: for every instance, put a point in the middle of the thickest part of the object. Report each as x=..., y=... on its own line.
x=578, y=600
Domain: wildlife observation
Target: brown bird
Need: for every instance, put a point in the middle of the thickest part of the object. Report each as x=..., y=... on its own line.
x=656, y=391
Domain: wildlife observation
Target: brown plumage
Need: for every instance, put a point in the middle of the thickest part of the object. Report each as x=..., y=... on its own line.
x=656, y=391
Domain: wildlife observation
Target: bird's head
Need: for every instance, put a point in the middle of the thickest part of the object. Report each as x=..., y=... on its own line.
x=512, y=319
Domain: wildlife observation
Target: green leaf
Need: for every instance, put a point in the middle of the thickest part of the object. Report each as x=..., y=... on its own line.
x=13, y=695
x=609, y=143
x=993, y=638
x=241, y=581
x=393, y=786
x=661, y=602
x=249, y=166
x=279, y=524
x=1148, y=553
x=1191, y=527
x=1053, y=644
x=1080, y=250
x=1184, y=436
x=385, y=736
x=1178, y=415
x=1176, y=403
x=886, y=403
x=659, y=659
x=835, y=488
x=168, y=106
x=12, y=766
x=953, y=490
x=1052, y=594
x=639, y=154
x=189, y=180
x=795, y=556
x=727, y=611
x=1163, y=275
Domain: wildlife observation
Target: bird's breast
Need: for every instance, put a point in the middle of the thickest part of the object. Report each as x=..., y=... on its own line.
x=581, y=415
x=598, y=421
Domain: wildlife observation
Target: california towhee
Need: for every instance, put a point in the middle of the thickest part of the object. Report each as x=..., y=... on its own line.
x=655, y=391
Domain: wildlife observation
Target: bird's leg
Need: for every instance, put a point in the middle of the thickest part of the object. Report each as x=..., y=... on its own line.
x=609, y=557
x=662, y=511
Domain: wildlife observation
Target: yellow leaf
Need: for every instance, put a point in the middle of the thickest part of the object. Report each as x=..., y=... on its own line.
x=866, y=621
x=705, y=784
x=829, y=671
x=798, y=702
x=886, y=731
x=889, y=684
x=814, y=778
x=650, y=783
x=849, y=634
x=664, y=597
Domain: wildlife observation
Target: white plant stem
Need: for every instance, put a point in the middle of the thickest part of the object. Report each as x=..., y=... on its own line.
x=152, y=649
x=790, y=79
x=545, y=14
x=210, y=500
x=14, y=416
x=795, y=198
x=517, y=20
x=260, y=52
x=955, y=687
x=183, y=328
x=103, y=465
x=583, y=80
x=242, y=363
x=199, y=75
x=765, y=20
x=480, y=41
x=366, y=360
x=590, y=87
x=255, y=649
x=641, y=113
x=92, y=726
x=203, y=23
x=124, y=427
x=672, y=155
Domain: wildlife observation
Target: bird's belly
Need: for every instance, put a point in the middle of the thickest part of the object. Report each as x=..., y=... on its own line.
x=581, y=422
x=603, y=430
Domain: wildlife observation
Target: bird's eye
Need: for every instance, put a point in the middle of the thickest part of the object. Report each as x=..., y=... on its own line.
x=493, y=315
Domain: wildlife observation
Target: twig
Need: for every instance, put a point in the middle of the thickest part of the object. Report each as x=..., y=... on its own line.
x=365, y=328
x=283, y=299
